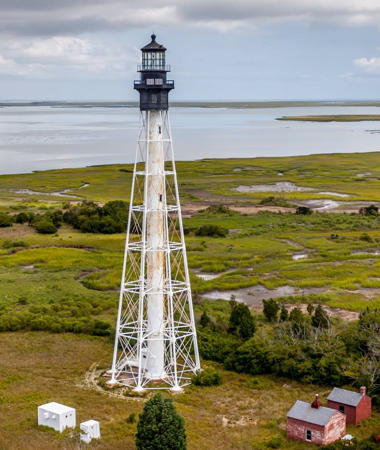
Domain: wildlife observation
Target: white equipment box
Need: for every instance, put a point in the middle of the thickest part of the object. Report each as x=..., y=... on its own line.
x=91, y=430
x=56, y=416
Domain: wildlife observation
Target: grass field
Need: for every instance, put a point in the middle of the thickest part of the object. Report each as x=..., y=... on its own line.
x=72, y=273
x=40, y=367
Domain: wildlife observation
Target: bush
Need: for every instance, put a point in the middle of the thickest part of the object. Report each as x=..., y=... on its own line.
x=365, y=237
x=14, y=244
x=5, y=220
x=207, y=377
x=45, y=226
x=371, y=210
x=275, y=442
x=131, y=418
x=216, y=346
x=205, y=320
x=304, y=210
x=160, y=427
x=22, y=218
x=275, y=201
x=211, y=231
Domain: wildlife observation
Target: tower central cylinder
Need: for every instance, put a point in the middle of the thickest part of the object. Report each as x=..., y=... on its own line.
x=155, y=258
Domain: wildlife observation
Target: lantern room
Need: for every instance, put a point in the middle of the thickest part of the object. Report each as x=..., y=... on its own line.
x=153, y=86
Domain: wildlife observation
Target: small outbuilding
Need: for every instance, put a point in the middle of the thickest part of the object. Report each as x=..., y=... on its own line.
x=91, y=430
x=57, y=416
x=311, y=422
x=356, y=405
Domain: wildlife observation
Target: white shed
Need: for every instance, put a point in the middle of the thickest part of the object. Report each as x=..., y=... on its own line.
x=91, y=430
x=57, y=416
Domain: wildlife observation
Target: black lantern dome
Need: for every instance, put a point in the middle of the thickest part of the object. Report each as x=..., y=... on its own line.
x=153, y=86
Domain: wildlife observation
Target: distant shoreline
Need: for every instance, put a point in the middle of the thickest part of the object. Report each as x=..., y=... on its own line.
x=334, y=118
x=197, y=104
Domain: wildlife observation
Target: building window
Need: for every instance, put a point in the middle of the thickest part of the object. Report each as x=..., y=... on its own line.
x=150, y=81
x=154, y=98
x=158, y=81
x=308, y=435
x=341, y=408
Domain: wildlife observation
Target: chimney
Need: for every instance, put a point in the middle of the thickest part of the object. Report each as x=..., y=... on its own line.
x=363, y=390
x=316, y=402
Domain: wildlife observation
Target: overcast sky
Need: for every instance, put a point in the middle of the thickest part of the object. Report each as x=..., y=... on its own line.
x=218, y=49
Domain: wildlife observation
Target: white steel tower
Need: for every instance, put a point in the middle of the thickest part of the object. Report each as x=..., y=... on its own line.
x=155, y=342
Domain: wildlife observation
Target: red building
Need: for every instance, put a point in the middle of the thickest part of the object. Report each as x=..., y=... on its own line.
x=315, y=423
x=356, y=405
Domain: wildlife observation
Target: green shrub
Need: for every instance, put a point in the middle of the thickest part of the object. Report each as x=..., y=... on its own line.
x=370, y=210
x=275, y=201
x=275, y=442
x=207, y=377
x=22, y=218
x=304, y=210
x=45, y=226
x=131, y=418
x=14, y=244
x=365, y=237
x=211, y=231
x=5, y=220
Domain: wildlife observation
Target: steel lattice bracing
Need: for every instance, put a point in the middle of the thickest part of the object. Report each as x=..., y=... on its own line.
x=155, y=342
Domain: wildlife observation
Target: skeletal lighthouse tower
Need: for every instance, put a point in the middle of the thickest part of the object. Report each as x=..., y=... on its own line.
x=155, y=342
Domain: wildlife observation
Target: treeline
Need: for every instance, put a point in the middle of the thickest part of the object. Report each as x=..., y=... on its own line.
x=305, y=347
x=87, y=217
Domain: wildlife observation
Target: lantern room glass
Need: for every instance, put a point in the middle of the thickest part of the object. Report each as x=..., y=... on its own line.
x=153, y=61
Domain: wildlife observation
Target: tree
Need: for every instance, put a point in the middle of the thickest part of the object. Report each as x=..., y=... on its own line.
x=241, y=321
x=22, y=217
x=284, y=315
x=160, y=427
x=204, y=320
x=271, y=308
x=370, y=210
x=320, y=318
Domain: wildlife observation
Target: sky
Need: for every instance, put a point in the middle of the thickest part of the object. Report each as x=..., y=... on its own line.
x=218, y=49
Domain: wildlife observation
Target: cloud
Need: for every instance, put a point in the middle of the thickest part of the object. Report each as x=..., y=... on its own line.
x=65, y=56
x=52, y=17
x=368, y=65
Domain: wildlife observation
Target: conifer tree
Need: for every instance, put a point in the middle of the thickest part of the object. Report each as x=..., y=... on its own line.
x=284, y=315
x=320, y=318
x=271, y=309
x=160, y=427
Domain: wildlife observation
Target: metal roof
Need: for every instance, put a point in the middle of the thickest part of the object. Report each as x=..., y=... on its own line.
x=350, y=398
x=318, y=416
x=153, y=45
